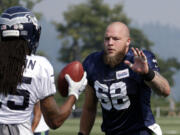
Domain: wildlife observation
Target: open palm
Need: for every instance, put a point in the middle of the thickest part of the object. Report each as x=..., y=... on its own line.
x=140, y=64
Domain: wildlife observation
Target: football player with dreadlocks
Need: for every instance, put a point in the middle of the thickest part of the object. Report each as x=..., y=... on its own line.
x=26, y=78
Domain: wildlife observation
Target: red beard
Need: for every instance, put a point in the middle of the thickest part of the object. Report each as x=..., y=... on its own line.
x=115, y=60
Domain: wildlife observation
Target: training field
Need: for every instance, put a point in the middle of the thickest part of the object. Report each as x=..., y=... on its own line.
x=169, y=125
x=71, y=127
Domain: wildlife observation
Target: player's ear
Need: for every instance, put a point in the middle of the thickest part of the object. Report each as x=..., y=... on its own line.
x=128, y=42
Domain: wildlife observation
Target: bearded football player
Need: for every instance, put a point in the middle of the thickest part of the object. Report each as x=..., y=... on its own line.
x=121, y=79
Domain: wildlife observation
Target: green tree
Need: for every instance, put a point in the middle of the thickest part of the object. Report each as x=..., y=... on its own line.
x=82, y=33
x=84, y=27
x=26, y=3
x=169, y=68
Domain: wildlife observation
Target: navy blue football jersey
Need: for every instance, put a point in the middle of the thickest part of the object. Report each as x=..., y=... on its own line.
x=122, y=93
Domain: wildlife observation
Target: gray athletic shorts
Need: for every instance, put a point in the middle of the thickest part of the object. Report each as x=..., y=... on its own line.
x=9, y=129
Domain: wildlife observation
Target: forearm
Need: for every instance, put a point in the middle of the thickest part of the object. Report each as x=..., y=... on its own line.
x=37, y=116
x=35, y=123
x=89, y=111
x=55, y=115
x=66, y=108
x=159, y=84
x=87, y=121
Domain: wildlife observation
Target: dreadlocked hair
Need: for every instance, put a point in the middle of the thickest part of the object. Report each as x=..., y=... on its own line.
x=12, y=64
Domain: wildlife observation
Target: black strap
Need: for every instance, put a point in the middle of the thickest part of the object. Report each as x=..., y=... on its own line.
x=149, y=76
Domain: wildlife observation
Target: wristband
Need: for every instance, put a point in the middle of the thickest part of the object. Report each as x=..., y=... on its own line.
x=149, y=76
x=80, y=133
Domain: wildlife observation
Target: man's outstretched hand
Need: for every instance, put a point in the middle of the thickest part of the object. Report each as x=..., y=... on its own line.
x=140, y=64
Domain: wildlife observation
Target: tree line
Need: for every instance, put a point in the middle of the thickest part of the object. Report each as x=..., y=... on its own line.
x=83, y=28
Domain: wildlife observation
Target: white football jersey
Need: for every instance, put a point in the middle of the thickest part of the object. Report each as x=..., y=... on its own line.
x=38, y=83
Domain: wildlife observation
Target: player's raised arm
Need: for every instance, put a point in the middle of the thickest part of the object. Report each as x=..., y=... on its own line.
x=151, y=77
x=159, y=84
x=55, y=115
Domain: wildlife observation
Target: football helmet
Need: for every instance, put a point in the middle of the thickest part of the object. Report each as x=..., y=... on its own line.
x=20, y=22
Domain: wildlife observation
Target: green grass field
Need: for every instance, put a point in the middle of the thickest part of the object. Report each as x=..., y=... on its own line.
x=169, y=125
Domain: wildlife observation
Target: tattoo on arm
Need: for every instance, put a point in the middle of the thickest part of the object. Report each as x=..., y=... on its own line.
x=159, y=84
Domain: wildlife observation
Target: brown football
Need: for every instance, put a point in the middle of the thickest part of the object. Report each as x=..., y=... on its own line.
x=75, y=71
